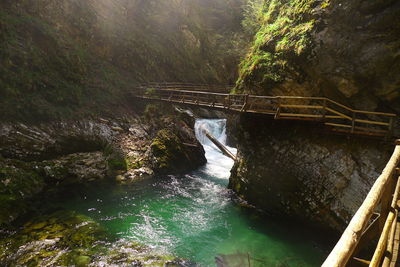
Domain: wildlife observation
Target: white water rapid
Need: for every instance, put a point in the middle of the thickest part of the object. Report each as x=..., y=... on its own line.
x=217, y=165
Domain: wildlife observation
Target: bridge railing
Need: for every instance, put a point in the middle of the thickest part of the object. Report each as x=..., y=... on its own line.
x=188, y=86
x=334, y=115
x=384, y=195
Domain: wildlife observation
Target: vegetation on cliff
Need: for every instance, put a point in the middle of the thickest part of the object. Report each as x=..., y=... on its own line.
x=342, y=50
x=66, y=58
x=282, y=39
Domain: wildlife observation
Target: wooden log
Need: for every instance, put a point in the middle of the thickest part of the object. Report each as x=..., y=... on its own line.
x=386, y=202
x=339, y=113
x=344, y=248
x=372, y=122
x=383, y=240
x=221, y=147
x=390, y=244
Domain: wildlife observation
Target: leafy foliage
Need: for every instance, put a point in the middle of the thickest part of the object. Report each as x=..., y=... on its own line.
x=284, y=36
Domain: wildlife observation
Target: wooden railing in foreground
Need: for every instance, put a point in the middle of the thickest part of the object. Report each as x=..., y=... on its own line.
x=384, y=193
x=335, y=116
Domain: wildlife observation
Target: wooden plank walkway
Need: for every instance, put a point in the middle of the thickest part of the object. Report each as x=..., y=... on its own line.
x=335, y=116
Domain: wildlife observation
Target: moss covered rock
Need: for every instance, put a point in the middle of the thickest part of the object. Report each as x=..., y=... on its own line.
x=170, y=154
x=19, y=182
x=343, y=50
x=66, y=238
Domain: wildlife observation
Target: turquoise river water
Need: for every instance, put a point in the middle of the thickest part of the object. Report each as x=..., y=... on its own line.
x=195, y=216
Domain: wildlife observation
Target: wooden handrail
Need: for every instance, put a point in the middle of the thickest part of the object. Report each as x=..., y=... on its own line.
x=382, y=243
x=283, y=107
x=351, y=236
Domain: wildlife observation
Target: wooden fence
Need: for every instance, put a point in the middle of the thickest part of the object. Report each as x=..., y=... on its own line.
x=335, y=116
x=384, y=195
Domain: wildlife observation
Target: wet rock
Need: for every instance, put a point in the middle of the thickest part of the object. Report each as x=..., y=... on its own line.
x=66, y=238
x=78, y=167
x=19, y=181
x=296, y=170
x=134, y=175
x=170, y=154
x=61, y=153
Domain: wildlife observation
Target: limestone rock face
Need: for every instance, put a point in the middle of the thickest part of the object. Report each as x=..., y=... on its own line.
x=37, y=158
x=346, y=50
x=296, y=170
x=76, y=168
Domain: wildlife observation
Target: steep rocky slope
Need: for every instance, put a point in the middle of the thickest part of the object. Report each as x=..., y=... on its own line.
x=67, y=118
x=66, y=58
x=345, y=50
x=294, y=169
x=37, y=158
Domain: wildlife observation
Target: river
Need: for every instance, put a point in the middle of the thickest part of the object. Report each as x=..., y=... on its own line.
x=195, y=216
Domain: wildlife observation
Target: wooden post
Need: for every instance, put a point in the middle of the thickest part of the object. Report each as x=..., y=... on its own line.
x=386, y=201
x=343, y=250
x=278, y=108
x=390, y=244
x=244, y=107
x=324, y=109
x=391, y=127
x=383, y=240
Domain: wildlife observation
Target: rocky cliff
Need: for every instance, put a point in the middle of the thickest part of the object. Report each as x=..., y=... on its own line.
x=345, y=50
x=294, y=169
x=38, y=158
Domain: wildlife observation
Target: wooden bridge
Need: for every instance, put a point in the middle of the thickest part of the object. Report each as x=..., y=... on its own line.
x=376, y=223
x=335, y=116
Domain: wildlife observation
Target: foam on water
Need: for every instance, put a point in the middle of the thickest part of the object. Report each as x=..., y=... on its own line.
x=194, y=217
x=218, y=165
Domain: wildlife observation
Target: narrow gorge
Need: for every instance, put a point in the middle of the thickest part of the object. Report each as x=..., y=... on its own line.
x=104, y=104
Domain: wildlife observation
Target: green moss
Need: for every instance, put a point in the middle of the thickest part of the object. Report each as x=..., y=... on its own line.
x=117, y=164
x=283, y=38
x=115, y=159
x=133, y=163
x=166, y=149
x=18, y=183
x=66, y=238
x=153, y=113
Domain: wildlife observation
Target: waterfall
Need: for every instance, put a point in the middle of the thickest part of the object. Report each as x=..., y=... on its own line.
x=218, y=165
x=216, y=127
